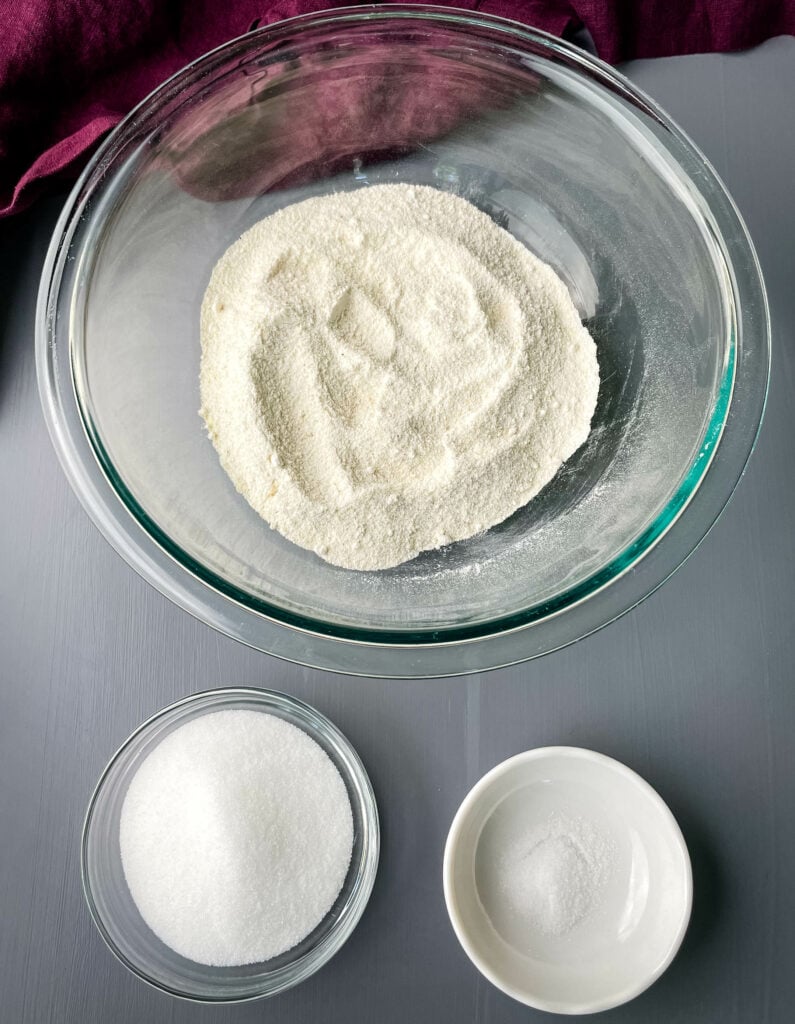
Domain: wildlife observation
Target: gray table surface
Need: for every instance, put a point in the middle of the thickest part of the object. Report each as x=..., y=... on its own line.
x=694, y=689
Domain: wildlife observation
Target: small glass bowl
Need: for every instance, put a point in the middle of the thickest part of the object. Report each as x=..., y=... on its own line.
x=116, y=915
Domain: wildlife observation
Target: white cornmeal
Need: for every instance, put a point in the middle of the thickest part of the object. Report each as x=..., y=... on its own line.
x=236, y=835
x=386, y=371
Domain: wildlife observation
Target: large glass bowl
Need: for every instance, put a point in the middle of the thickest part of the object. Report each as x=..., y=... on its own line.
x=118, y=918
x=560, y=150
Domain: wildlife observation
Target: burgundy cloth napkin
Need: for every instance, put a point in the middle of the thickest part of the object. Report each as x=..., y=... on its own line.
x=71, y=69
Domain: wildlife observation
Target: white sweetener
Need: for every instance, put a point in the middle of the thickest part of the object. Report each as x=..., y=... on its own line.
x=236, y=836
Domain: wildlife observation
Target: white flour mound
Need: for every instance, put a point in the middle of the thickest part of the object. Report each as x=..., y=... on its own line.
x=386, y=371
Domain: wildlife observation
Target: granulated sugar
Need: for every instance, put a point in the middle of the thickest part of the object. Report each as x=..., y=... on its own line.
x=386, y=371
x=236, y=836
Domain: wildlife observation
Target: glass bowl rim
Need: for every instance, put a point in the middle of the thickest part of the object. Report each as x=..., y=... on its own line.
x=182, y=578
x=314, y=724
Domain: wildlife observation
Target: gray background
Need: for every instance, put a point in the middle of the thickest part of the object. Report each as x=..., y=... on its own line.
x=694, y=689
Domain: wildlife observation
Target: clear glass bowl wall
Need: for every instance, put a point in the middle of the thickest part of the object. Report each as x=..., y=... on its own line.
x=559, y=150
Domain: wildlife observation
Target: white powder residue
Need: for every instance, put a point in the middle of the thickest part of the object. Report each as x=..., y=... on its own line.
x=236, y=836
x=553, y=876
x=386, y=371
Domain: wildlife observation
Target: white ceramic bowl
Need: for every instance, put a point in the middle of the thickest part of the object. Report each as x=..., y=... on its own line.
x=640, y=910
